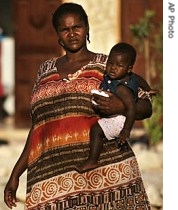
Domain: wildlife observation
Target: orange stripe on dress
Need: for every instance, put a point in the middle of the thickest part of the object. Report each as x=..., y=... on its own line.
x=59, y=133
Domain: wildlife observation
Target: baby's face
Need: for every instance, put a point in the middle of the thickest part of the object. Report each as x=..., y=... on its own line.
x=118, y=65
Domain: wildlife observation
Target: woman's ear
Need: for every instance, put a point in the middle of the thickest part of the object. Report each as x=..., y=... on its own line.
x=88, y=29
x=60, y=43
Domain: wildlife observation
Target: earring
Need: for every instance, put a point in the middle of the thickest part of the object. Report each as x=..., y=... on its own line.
x=88, y=38
x=60, y=43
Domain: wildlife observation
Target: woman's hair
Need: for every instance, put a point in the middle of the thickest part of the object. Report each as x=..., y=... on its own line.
x=123, y=47
x=70, y=8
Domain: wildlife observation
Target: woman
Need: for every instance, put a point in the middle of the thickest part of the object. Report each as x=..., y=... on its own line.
x=62, y=115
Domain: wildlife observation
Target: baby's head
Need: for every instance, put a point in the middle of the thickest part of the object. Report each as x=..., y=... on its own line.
x=121, y=60
x=127, y=49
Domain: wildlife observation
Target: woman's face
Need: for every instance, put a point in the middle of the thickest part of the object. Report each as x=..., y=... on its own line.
x=72, y=32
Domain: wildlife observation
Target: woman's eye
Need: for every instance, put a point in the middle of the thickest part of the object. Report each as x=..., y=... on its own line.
x=62, y=29
x=77, y=27
x=120, y=66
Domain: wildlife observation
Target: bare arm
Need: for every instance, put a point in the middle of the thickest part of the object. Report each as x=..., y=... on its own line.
x=126, y=95
x=13, y=182
x=114, y=105
x=142, y=82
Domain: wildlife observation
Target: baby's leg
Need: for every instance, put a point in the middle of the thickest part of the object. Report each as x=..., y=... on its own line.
x=96, y=146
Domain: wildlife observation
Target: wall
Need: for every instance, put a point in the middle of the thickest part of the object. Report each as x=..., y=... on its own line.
x=104, y=20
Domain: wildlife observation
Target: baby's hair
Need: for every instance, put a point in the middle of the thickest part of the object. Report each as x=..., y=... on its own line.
x=123, y=47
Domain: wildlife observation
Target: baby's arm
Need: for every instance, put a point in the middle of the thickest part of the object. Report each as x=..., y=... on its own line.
x=142, y=83
x=127, y=97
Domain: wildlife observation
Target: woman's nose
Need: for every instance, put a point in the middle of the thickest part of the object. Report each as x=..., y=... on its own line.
x=71, y=32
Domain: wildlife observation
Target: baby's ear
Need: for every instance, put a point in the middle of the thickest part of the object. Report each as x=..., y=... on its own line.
x=130, y=69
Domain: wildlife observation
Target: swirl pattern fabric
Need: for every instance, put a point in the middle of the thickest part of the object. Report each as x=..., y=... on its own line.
x=62, y=115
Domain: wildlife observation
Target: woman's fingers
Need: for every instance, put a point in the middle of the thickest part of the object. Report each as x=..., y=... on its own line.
x=109, y=105
x=10, y=199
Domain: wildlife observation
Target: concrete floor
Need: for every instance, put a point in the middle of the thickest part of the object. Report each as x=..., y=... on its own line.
x=12, y=141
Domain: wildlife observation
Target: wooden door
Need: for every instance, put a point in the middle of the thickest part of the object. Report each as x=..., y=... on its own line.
x=35, y=41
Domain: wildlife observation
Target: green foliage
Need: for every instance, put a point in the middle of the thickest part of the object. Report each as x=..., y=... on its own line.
x=153, y=125
x=144, y=26
x=150, y=41
x=158, y=40
x=141, y=30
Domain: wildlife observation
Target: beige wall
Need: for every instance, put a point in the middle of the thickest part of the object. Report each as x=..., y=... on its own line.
x=104, y=20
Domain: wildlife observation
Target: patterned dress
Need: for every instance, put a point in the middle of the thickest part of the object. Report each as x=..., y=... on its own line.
x=62, y=116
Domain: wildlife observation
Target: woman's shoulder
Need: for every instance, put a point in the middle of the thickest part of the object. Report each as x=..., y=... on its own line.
x=48, y=65
x=46, y=68
x=97, y=63
x=49, y=61
x=100, y=58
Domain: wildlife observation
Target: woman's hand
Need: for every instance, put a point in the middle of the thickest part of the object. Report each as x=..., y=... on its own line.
x=10, y=192
x=113, y=105
x=109, y=105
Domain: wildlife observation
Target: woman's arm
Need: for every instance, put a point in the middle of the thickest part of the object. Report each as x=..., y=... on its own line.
x=143, y=109
x=113, y=105
x=13, y=182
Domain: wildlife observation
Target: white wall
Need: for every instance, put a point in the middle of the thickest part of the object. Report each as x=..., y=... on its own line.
x=7, y=72
x=104, y=20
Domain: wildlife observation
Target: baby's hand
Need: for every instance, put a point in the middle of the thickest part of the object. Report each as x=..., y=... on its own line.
x=123, y=136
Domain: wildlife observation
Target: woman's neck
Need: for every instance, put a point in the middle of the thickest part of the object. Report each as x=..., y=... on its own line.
x=82, y=54
x=71, y=62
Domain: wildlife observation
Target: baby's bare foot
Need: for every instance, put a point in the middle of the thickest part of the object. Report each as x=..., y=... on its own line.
x=86, y=167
